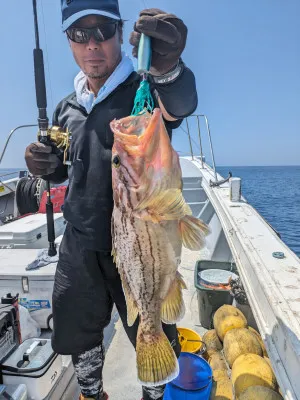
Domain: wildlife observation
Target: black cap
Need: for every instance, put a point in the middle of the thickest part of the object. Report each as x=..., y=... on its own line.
x=72, y=10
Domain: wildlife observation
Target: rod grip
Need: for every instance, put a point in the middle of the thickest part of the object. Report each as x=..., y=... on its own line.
x=50, y=220
x=39, y=74
x=50, y=227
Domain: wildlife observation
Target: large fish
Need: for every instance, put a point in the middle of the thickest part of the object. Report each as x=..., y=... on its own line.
x=151, y=221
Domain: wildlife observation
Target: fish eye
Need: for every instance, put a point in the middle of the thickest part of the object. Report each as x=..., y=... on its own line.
x=116, y=162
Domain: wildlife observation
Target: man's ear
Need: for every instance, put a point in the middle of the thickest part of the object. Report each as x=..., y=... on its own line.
x=120, y=29
x=121, y=36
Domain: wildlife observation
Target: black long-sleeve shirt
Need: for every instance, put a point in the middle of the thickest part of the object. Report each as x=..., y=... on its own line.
x=89, y=202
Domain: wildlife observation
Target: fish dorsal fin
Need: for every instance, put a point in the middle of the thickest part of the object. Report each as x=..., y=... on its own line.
x=165, y=205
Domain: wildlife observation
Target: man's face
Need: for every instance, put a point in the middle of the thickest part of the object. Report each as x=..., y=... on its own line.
x=97, y=59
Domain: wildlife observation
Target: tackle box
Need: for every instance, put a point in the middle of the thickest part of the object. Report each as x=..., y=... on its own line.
x=34, y=364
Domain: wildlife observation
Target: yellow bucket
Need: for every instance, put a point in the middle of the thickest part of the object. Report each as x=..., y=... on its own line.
x=190, y=341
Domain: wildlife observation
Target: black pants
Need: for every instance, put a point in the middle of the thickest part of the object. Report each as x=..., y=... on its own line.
x=87, y=285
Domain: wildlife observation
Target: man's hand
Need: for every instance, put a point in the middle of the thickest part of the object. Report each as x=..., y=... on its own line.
x=40, y=160
x=168, y=34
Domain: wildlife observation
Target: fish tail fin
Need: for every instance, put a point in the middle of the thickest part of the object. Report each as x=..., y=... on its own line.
x=193, y=232
x=157, y=363
x=173, y=308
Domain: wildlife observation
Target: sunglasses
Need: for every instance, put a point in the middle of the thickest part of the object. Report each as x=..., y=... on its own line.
x=100, y=33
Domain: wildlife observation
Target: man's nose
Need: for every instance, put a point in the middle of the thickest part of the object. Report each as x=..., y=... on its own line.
x=93, y=44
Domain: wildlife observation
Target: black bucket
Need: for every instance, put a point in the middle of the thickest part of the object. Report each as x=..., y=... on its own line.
x=212, y=292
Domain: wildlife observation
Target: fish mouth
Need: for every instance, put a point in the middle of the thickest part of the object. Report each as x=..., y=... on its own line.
x=135, y=133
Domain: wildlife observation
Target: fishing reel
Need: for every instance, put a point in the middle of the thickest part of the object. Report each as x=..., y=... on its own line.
x=56, y=137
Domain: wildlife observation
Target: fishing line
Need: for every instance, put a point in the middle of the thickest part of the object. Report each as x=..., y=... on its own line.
x=47, y=57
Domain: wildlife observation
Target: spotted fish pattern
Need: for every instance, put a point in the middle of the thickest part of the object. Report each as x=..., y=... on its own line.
x=150, y=223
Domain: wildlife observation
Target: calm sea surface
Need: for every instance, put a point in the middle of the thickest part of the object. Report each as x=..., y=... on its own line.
x=275, y=193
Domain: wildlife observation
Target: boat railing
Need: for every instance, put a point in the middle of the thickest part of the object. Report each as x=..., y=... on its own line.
x=13, y=174
x=198, y=116
x=5, y=180
x=9, y=137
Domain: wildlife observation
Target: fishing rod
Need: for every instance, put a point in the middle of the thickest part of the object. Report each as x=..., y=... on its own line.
x=54, y=136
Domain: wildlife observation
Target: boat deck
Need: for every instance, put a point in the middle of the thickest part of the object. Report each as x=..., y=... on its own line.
x=238, y=233
x=271, y=283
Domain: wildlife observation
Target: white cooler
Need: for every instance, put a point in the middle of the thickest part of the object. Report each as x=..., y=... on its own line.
x=34, y=287
x=34, y=364
x=29, y=232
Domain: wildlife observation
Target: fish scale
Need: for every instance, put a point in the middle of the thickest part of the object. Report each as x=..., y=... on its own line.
x=140, y=259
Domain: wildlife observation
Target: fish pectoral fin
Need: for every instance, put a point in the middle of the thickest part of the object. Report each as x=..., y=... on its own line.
x=173, y=308
x=193, y=232
x=132, y=310
x=166, y=205
x=156, y=360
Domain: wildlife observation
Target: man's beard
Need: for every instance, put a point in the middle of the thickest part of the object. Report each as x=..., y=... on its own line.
x=105, y=74
x=95, y=75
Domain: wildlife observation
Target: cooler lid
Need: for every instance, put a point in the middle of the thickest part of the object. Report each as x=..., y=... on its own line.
x=14, y=262
x=33, y=355
x=195, y=373
x=26, y=229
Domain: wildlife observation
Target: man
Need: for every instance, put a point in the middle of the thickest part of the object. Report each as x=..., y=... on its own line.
x=87, y=283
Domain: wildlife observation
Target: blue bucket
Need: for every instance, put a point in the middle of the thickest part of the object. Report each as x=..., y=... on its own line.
x=194, y=381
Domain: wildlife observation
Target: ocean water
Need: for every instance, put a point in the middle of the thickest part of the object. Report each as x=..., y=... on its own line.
x=8, y=173
x=274, y=192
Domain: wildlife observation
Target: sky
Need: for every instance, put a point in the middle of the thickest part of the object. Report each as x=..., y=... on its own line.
x=245, y=55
